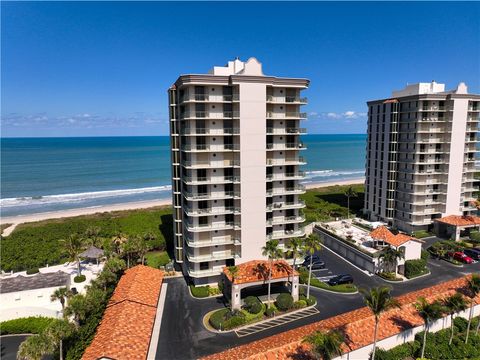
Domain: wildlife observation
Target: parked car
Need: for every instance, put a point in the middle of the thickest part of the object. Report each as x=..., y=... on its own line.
x=460, y=256
x=307, y=258
x=316, y=264
x=341, y=279
x=473, y=253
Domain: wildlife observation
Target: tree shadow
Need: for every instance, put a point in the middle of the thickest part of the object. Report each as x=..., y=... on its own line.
x=166, y=229
x=261, y=270
x=300, y=353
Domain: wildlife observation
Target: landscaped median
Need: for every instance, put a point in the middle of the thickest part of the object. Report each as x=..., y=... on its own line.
x=254, y=311
x=342, y=289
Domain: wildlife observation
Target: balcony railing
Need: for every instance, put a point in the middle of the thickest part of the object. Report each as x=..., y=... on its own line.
x=281, y=131
x=286, y=233
x=210, y=164
x=208, y=147
x=219, y=255
x=209, y=114
x=287, y=161
x=287, y=190
x=212, y=226
x=209, y=131
x=286, y=99
x=282, y=146
x=210, y=179
x=285, y=220
x=298, y=174
x=212, y=210
x=211, y=195
x=219, y=240
x=297, y=115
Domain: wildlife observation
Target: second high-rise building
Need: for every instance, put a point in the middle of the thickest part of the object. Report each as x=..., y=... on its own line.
x=236, y=158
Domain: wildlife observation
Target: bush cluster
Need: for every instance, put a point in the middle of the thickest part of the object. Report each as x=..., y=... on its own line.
x=389, y=276
x=310, y=301
x=284, y=302
x=252, y=305
x=27, y=325
x=225, y=319
x=79, y=278
x=299, y=304
x=415, y=268
x=271, y=311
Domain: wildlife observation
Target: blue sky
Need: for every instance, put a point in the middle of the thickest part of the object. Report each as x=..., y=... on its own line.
x=93, y=68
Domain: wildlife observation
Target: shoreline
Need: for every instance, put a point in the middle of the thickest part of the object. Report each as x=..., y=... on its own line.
x=21, y=219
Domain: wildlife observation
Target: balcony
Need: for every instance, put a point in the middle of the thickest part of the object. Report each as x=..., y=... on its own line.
x=286, y=115
x=209, y=98
x=218, y=255
x=210, y=164
x=210, y=131
x=212, y=195
x=285, y=220
x=214, y=241
x=212, y=211
x=299, y=175
x=209, y=115
x=210, y=180
x=288, y=161
x=286, y=146
x=300, y=204
x=282, y=234
x=229, y=225
x=286, y=131
x=299, y=189
x=203, y=273
x=286, y=99
x=208, y=147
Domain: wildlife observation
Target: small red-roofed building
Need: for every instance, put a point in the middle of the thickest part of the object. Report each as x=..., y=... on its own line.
x=455, y=226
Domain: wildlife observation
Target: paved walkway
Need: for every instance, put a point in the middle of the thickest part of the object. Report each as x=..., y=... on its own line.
x=264, y=325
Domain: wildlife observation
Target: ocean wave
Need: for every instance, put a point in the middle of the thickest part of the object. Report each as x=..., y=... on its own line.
x=331, y=173
x=77, y=197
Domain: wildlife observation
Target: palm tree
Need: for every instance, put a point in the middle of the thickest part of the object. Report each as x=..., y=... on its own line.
x=294, y=247
x=473, y=287
x=115, y=265
x=429, y=313
x=92, y=235
x=61, y=294
x=106, y=278
x=118, y=240
x=56, y=331
x=390, y=256
x=78, y=308
x=326, y=345
x=73, y=245
x=35, y=347
x=378, y=300
x=127, y=249
x=272, y=252
x=233, y=270
x=349, y=194
x=141, y=247
x=454, y=304
x=311, y=245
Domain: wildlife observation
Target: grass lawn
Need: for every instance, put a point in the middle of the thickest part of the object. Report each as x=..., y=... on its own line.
x=37, y=244
x=156, y=259
x=326, y=203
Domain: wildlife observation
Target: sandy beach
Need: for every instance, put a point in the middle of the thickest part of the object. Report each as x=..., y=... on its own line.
x=20, y=219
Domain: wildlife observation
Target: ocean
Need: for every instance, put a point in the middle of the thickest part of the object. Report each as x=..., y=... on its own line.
x=49, y=174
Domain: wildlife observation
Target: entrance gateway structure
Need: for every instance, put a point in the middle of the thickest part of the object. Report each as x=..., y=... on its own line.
x=256, y=272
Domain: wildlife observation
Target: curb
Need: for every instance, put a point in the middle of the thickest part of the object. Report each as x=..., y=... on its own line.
x=11, y=335
x=332, y=292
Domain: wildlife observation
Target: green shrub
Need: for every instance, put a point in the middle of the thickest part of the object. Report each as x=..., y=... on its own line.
x=27, y=325
x=217, y=319
x=415, y=268
x=212, y=291
x=300, y=304
x=235, y=321
x=252, y=305
x=284, y=302
x=271, y=311
x=475, y=236
x=399, y=352
x=32, y=271
x=310, y=301
x=389, y=276
x=200, y=291
x=225, y=319
x=79, y=278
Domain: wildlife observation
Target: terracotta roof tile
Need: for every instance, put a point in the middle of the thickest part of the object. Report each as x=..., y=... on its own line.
x=357, y=325
x=382, y=233
x=459, y=220
x=126, y=327
x=257, y=270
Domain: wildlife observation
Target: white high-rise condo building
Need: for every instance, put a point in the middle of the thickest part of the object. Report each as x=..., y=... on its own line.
x=421, y=152
x=235, y=142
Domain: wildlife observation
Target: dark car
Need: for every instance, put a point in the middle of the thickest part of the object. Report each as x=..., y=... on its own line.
x=341, y=279
x=473, y=253
x=316, y=262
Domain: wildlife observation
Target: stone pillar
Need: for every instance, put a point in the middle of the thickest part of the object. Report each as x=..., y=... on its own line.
x=457, y=233
x=236, y=300
x=294, y=290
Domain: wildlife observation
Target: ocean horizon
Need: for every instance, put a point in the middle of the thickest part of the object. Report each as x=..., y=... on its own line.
x=57, y=173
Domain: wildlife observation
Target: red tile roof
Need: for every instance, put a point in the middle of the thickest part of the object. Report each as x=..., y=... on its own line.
x=459, y=220
x=383, y=234
x=257, y=270
x=357, y=325
x=126, y=327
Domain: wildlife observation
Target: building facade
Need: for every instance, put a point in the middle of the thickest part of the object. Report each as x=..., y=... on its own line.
x=235, y=143
x=421, y=152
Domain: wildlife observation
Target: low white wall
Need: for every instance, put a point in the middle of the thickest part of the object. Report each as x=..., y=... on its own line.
x=404, y=337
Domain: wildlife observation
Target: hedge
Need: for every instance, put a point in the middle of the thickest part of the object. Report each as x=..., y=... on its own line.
x=200, y=291
x=79, y=278
x=414, y=268
x=27, y=325
x=224, y=319
x=252, y=305
x=32, y=271
x=284, y=302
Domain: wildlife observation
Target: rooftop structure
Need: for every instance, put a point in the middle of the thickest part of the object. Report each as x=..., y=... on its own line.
x=32, y=282
x=235, y=142
x=421, y=152
x=455, y=226
x=127, y=324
